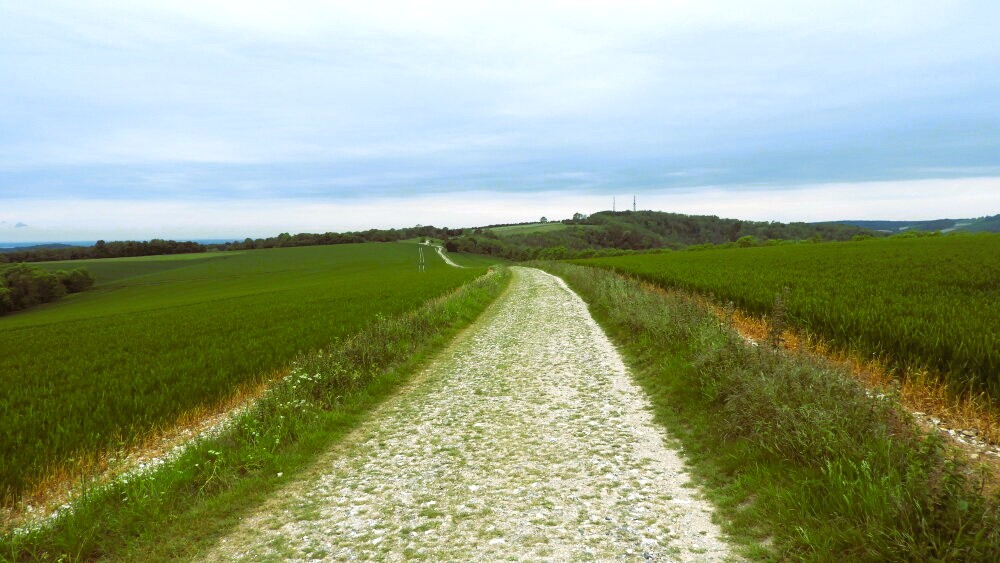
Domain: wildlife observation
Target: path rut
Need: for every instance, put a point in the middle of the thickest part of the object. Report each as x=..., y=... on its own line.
x=524, y=439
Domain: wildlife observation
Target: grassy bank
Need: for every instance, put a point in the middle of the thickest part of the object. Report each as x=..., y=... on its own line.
x=801, y=460
x=179, y=507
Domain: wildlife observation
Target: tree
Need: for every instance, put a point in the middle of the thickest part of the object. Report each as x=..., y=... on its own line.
x=100, y=249
x=746, y=242
x=30, y=285
x=76, y=280
x=544, y=220
x=6, y=305
x=23, y=286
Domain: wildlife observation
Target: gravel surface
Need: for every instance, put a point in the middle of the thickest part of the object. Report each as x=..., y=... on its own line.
x=525, y=439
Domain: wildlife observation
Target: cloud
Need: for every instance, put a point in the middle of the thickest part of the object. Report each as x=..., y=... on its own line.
x=310, y=101
x=265, y=82
x=20, y=225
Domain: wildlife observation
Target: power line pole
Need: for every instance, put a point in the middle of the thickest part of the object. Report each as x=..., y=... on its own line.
x=613, y=209
x=633, y=203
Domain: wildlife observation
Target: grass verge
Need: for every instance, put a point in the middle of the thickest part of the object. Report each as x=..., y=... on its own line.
x=802, y=461
x=918, y=390
x=179, y=507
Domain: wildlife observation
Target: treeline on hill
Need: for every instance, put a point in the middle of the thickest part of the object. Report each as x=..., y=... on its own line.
x=608, y=232
x=601, y=234
x=23, y=286
x=114, y=249
x=371, y=235
x=985, y=224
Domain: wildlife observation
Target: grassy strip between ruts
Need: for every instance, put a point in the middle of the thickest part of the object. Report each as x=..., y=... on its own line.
x=802, y=461
x=184, y=505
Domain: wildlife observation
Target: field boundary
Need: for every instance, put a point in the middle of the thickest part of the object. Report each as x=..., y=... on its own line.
x=971, y=421
x=924, y=305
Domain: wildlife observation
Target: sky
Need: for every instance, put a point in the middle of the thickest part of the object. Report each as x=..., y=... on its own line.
x=226, y=119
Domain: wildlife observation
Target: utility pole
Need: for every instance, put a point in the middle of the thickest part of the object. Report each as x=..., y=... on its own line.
x=633, y=203
x=613, y=209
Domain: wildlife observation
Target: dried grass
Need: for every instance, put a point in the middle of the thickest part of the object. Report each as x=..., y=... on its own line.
x=68, y=480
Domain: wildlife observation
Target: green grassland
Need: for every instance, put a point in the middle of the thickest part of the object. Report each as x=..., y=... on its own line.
x=158, y=336
x=109, y=270
x=930, y=302
x=529, y=228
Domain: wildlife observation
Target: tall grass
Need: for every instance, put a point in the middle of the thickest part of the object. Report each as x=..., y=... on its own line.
x=918, y=303
x=156, y=338
x=802, y=461
x=202, y=491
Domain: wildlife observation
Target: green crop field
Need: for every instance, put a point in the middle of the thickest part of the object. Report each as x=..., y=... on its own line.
x=528, y=229
x=157, y=336
x=929, y=302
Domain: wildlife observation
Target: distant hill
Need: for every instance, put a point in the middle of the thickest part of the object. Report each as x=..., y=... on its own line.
x=611, y=231
x=33, y=247
x=51, y=252
x=989, y=224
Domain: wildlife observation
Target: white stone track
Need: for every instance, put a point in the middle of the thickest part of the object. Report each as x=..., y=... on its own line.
x=525, y=439
x=447, y=260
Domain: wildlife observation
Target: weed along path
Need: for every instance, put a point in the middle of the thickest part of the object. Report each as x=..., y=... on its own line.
x=524, y=439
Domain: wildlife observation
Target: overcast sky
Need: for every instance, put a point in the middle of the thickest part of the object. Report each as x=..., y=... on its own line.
x=226, y=119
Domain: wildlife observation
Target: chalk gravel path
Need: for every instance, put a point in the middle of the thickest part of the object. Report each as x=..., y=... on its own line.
x=524, y=440
x=440, y=251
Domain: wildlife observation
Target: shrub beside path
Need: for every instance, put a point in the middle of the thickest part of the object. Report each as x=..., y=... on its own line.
x=524, y=439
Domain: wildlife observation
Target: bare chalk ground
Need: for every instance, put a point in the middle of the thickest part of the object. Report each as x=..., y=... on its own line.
x=526, y=439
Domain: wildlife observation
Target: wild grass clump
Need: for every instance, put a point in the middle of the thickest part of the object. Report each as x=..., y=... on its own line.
x=790, y=405
x=171, y=509
x=804, y=462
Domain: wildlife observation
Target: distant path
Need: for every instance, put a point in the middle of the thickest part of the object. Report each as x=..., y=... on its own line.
x=524, y=439
x=440, y=251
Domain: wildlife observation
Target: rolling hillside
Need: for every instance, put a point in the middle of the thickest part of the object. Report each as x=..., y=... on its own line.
x=990, y=224
x=609, y=231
